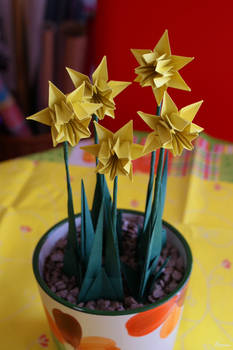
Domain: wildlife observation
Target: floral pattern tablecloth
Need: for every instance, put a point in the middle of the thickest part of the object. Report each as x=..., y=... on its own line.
x=199, y=203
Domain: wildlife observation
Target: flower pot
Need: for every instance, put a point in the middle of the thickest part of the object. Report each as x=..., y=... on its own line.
x=149, y=327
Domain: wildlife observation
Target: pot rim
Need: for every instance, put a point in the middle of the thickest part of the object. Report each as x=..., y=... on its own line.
x=147, y=307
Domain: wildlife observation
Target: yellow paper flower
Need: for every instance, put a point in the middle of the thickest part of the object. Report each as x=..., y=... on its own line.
x=101, y=91
x=159, y=69
x=174, y=129
x=69, y=116
x=115, y=152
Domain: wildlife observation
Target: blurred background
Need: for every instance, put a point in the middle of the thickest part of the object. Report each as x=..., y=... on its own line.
x=39, y=38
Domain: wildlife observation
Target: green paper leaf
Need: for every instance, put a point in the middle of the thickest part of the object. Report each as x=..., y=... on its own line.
x=101, y=288
x=157, y=199
x=87, y=230
x=163, y=196
x=151, y=257
x=132, y=279
x=71, y=253
x=95, y=259
x=97, y=200
x=157, y=274
x=119, y=226
x=149, y=192
x=112, y=261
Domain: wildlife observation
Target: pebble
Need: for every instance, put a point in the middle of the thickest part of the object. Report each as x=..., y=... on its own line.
x=66, y=287
x=57, y=256
x=177, y=275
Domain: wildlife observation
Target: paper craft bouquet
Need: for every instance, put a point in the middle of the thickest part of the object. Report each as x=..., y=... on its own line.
x=112, y=278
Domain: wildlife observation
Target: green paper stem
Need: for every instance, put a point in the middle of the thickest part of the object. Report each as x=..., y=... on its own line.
x=151, y=181
x=95, y=118
x=114, y=205
x=149, y=190
x=157, y=184
x=71, y=251
x=158, y=110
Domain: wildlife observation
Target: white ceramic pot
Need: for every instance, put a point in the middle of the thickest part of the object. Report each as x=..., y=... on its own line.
x=153, y=326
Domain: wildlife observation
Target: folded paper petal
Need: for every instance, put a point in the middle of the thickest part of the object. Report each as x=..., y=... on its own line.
x=173, y=129
x=69, y=116
x=100, y=92
x=115, y=152
x=159, y=68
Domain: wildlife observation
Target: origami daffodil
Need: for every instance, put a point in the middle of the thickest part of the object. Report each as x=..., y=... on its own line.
x=101, y=91
x=174, y=129
x=115, y=152
x=159, y=69
x=69, y=116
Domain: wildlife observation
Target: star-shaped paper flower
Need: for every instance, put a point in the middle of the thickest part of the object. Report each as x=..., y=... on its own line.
x=115, y=152
x=101, y=91
x=159, y=69
x=174, y=129
x=69, y=116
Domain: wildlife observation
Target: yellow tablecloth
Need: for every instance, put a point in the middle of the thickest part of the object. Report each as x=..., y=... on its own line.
x=33, y=198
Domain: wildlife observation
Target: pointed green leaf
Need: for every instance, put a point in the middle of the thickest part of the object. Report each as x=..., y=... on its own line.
x=95, y=259
x=156, y=199
x=149, y=192
x=87, y=230
x=71, y=253
x=112, y=260
x=101, y=288
x=157, y=274
x=163, y=196
x=98, y=196
x=132, y=279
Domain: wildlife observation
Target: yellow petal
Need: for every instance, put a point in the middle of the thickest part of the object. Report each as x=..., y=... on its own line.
x=42, y=117
x=150, y=119
x=138, y=55
x=117, y=87
x=188, y=113
x=93, y=149
x=91, y=108
x=136, y=151
x=179, y=62
x=168, y=106
x=149, y=58
x=110, y=113
x=54, y=135
x=163, y=66
x=102, y=132
x=76, y=77
x=77, y=95
x=158, y=93
x=160, y=81
x=176, y=122
x=164, y=133
x=101, y=72
x=195, y=128
x=122, y=149
x=55, y=95
x=152, y=142
x=63, y=113
x=177, y=82
x=81, y=127
x=125, y=133
x=163, y=44
x=79, y=111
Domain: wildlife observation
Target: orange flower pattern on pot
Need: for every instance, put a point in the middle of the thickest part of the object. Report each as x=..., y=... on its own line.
x=167, y=315
x=67, y=329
